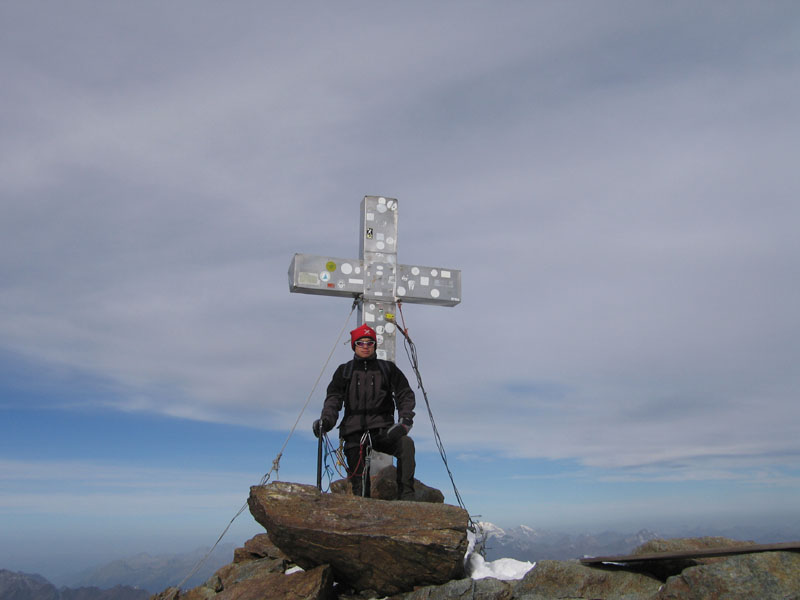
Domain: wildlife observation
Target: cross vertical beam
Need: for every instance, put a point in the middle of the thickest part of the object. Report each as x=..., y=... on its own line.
x=376, y=277
x=378, y=250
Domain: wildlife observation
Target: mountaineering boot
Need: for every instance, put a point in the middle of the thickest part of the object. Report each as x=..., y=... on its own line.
x=406, y=493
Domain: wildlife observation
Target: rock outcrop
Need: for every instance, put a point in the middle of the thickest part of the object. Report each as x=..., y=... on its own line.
x=316, y=584
x=383, y=486
x=387, y=547
x=742, y=577
x=258, y=547
x=567, y=579
x=256, y=581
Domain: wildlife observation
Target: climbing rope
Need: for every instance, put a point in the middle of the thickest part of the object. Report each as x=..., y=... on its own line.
x=411, y=352
x=277, y=460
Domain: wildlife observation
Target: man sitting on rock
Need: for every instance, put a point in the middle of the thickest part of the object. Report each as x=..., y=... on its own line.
x=370, y=389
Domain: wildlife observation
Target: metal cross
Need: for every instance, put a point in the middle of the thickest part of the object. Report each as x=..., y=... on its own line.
x=376, y=277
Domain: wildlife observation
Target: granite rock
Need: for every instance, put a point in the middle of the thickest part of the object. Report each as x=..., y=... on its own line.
x=388, y=547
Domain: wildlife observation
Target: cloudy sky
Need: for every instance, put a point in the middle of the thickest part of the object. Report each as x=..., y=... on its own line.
x=617, y=182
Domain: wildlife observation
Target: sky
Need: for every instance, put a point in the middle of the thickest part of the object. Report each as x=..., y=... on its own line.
x=615, y=180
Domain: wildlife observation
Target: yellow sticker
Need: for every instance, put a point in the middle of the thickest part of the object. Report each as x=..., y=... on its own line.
x=389, y=316
x=331, y=266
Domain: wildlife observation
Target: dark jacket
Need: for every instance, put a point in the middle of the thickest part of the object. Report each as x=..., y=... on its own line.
x=369, y=399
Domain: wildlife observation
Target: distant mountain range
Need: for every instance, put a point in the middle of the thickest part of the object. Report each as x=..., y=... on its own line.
x=156, y=573
x=527, y=544
x=23, y=586
x=134, y=578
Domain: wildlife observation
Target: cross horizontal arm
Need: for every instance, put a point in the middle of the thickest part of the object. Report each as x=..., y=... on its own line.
x=332, y=276
x=428, y=285
x=326, y=275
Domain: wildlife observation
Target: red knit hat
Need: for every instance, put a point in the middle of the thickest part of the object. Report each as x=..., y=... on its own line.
x=362, y=332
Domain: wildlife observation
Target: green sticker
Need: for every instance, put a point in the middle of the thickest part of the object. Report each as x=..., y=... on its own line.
x=331, y=266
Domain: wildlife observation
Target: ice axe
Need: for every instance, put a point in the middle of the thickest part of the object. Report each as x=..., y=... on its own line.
x=319, y=461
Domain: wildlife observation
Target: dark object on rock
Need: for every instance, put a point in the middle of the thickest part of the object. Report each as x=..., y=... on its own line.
x=384, y=487
x=388, y=547
x=674, y=545
x=665, y=558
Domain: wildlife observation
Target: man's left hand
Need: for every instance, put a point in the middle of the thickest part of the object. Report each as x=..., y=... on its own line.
x=398, y=430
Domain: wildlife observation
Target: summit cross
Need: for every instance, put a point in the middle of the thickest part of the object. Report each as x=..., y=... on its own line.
x=376, y=277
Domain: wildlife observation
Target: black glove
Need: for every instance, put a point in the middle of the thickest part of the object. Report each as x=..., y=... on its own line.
x=398, y=430
x=320, y=426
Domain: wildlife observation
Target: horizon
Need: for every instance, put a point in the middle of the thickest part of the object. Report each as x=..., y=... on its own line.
x=69, y=577
x=615, y=182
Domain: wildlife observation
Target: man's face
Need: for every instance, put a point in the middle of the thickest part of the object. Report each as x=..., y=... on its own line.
x=365, y=347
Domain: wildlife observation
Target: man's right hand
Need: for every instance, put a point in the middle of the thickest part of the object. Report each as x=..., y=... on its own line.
x=320, y=426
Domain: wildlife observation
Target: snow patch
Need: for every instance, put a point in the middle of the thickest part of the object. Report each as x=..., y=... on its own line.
x=294, y=569
x=504, y=569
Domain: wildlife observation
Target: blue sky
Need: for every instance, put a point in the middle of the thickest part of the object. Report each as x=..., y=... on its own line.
x=616, y=181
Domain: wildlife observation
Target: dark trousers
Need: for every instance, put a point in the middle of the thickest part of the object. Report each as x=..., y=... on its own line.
x=402, y=449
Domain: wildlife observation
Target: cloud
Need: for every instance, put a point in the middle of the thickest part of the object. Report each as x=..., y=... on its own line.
x=89, y=489
x=618, y=193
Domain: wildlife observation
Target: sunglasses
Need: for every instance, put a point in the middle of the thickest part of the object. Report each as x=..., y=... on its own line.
x=365, y=343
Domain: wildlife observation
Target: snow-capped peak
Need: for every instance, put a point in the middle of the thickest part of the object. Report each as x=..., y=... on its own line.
x=490, y=529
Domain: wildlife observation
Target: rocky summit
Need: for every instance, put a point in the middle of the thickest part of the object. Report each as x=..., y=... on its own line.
x=370, y=544
x=322, y=546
